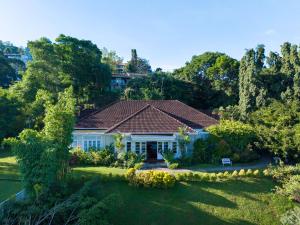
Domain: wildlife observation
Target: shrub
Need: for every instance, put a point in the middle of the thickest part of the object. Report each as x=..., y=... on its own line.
x=249, y=172
x=232, y=139
x=138, y=166
x=226, y=174
x=168, y=155
x=283, y=172
x=129, y=159
x=201, y=151
x=242, y=172
x=103, y=157
x=219, y=175
x=173, y=166
x=154, y=179
x=212, y=176
x=256, y=172
x=179, y=176
x=266, y=172
x=235, y=173
x=291, y=188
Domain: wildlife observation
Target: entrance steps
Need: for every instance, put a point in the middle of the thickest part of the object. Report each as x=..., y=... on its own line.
x=153, y=165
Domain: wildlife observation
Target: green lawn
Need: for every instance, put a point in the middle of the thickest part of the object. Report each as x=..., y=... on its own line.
x=9, y=176
x=246, y=201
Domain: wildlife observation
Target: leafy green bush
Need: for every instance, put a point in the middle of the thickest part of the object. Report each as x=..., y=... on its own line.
x=242, y=172
x=291, y=188
x=168, y=155
x=230, y=139
x=256, y=172
x=103, y=157
x=282, y=172
x=173, y=166
x=150, y=178
x=138, y=166
x=235, y=173
x=249, y=172
x=278, y=129
x=129, y=159
x=85, y=204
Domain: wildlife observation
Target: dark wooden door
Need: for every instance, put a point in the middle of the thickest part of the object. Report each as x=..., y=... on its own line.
x=152, y=150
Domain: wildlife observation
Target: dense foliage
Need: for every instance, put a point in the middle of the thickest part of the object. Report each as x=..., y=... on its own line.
x=43, y=155
x=229, y=139
x=288, y=179
x=105, y=157
x=277, y=127
x=214, y=77
x=87, y=206
x=150, y=178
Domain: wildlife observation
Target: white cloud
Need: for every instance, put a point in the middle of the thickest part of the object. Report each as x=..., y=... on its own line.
x=270, y=32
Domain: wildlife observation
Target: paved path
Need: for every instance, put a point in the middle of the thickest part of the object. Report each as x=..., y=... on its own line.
x=264, y=162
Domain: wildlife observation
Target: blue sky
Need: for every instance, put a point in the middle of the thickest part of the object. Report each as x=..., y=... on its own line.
x=166, y=32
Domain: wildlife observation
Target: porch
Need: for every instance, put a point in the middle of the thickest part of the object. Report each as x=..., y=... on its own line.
x=152, y=146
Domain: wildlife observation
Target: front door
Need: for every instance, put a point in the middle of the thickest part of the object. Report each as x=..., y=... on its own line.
x=152, y=150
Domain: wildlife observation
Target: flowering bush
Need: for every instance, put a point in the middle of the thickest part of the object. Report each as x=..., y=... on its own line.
x=242, y=172
x=153, y=179
x=103, y=157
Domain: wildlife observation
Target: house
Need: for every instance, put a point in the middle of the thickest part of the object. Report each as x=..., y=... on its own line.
x=120, y=80
x=148, y=126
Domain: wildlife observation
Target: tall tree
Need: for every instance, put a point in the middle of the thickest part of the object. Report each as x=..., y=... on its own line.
x=214, y=77
x=248, y=82
x=43, y=155
x=7, y=73
x=137, y=65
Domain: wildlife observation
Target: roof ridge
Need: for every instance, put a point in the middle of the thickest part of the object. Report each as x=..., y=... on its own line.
x=99, y=110
x=127, y=118
x=161, y=111
x=196, y=110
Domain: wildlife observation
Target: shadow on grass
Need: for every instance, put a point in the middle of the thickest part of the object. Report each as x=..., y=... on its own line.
x=183, y=204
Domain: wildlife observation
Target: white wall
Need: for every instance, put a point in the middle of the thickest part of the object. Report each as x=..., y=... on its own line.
x=83, y=139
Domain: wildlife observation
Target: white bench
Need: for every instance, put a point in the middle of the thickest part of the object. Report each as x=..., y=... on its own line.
x=226, y=161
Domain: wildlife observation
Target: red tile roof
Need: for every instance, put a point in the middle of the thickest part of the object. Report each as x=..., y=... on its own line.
x=148, y=120
x=146, y=116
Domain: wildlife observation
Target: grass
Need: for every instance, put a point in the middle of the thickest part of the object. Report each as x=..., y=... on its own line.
x=244, y=201
x=9, y=176
x=247, y=200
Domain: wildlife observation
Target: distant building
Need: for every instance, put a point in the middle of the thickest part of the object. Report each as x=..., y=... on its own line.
x=22, y=57
x=120, y=77
x=120, y=80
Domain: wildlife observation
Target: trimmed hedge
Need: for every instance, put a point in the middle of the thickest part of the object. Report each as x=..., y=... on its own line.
x=150, y=178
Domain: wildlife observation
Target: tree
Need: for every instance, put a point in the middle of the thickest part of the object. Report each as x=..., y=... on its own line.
x=137, y=65
x=7, y=74
x=111, y=58
x=43, y=155
x=249, y=91
x=275, y=62
x=11, y=121
x=214, y=76
x=277, y=127
x=290, y=59
x=159, y=85
x=183, y=140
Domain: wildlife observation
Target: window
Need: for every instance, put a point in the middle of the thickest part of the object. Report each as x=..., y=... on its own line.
x=159, y=147
x=174, y=147
x=128, y=146
x=91, y=142
x=166, y=146
x=143, y=147
x=137, y=147
x=75, y=142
